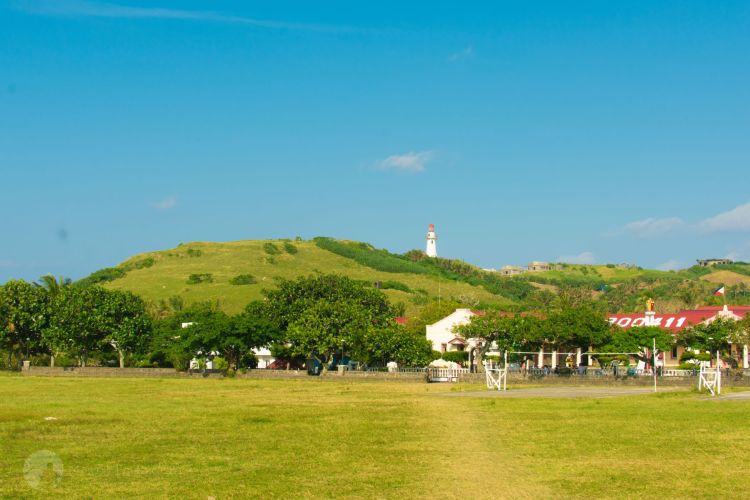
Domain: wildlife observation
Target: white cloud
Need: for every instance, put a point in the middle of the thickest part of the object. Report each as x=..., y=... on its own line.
x=653, y=226
x=409, y=162
x=466, y=53
x=165, y=204
x=86, y=8
x=670, y=265
x=581, y=258
x=736, y=219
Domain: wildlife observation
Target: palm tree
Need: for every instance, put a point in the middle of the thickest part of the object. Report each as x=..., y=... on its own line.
x=53, y=285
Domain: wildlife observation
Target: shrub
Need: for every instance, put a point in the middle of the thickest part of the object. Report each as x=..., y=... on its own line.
x=103, y=276
x=290, y=249
x=145, y=263
x=195, y=279
x=192, y=252
x=243, y=279
x=689, y=366
x=395, y=285
x=271, y=249
x=220, y=363
x=456, y=356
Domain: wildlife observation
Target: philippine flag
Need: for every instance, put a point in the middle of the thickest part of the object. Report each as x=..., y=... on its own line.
x=719, y=291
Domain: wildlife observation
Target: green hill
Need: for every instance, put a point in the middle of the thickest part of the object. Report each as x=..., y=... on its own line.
x=235, y=273
x=163, y=274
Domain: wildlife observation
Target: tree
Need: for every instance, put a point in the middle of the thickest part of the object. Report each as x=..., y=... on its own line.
x=210, y=330
x=394, y=342
x=85, y=320
x=23, y=317
x=574, y=327
x=638, y=340
x=326, y=314
x=126, y=325
x=508, y=332
x=52, y=285
x=718, y=335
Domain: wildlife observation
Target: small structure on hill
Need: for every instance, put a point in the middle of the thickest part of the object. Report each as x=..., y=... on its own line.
x=713, y=262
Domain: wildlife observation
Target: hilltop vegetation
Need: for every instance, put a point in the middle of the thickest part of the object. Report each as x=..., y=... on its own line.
x=233, y=274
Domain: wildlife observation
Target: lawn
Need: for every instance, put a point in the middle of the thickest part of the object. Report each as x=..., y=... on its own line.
x=324, y=438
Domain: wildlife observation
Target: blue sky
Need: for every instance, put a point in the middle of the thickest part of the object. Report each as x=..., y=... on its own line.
x=578, y=131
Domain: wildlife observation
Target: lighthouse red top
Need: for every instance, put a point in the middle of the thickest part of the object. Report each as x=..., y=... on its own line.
x=431, y=228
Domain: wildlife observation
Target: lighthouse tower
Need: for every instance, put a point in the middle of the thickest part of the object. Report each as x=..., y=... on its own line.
x=431, y=241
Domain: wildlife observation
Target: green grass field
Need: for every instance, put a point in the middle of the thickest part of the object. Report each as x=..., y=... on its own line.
x=328, y=438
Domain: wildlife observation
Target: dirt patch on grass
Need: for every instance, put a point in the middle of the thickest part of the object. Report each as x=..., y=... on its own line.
x=727, y=278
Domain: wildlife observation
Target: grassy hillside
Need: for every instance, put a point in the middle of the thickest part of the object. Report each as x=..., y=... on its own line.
x=235, y=273
x=159, y=275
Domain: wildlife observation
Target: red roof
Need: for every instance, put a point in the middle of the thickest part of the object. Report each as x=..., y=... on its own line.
x=676, y=321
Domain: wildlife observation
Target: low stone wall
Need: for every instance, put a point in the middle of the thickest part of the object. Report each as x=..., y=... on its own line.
x=514, y=378
x=100, y=371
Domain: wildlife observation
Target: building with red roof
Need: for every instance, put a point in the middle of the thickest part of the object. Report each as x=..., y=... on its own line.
x=675, y=322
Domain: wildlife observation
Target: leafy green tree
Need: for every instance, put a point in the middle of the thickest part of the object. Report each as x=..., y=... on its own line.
x=126, y=325
x=209, y=330
x=638, y=340
x=394, y=342
x=718, y=335
x=326, y=314
x=575, y=327
x=90, y=319
x=508, y=332
x=24, y=315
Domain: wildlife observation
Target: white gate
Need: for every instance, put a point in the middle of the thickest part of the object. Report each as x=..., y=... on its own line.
x=497, y=378
x=710, y=378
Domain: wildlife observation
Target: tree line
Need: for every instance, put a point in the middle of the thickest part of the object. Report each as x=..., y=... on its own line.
x=325, y=316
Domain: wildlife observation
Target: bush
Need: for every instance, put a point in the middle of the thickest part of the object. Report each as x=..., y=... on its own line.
x=195, y=279
x=243, y=279
x=456, y=356
x=271, y=249
x=248, y=360
x=145, y=263
x=192, y=252
x=103, y=276
x=395, y=285
x=290, y=249
x=689, y=366
x=220, y=363
x=230, y=373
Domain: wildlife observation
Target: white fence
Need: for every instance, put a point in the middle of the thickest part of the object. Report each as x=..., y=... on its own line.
x=445, y=374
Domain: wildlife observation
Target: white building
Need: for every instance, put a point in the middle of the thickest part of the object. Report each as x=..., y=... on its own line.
x=265, y=358
x=431, y=249
x=442, y=336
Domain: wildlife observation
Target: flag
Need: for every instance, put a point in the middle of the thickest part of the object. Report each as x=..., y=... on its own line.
x=719, y=291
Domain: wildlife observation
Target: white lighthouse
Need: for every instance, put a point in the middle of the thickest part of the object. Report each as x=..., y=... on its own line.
x=431, y=241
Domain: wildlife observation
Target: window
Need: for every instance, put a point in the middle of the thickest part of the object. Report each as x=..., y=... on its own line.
x=674, y=352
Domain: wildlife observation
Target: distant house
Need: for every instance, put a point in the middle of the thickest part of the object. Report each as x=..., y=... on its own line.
x=713, y=262
x=537, y=266
x=511, y=270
